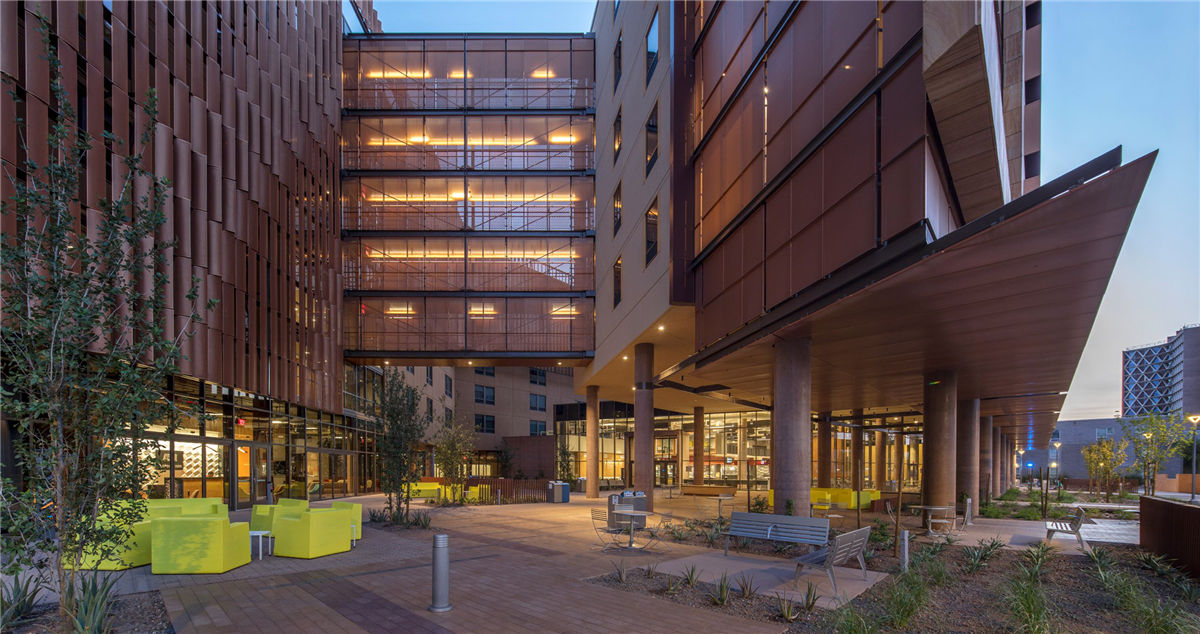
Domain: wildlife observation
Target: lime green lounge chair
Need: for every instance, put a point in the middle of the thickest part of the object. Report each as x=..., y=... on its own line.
x=313, y=533
x=191, y=545
x=191, y=506
x=262, y=516
x=354, y=515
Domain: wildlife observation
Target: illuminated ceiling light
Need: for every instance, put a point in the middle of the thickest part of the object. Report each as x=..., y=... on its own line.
x=481, y=310
x=460, y=196
x=399, y=74
x=661, y=328
x=458, y=74
x=470, y=363
x=624, y=357
x=419, y=139
x=387, y=362
x=765, y=90
x=542, y=73
x=556, y=256
x=562, y=138
x=563, y=311
x=400, y=311
x=847, y=67
x=560, y=363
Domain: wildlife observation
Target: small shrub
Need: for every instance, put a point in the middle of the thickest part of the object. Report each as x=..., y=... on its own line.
x=1188, y=590
x=759, y=504
x=782, y=548
x=691, y=575
x=622, y=575
x=935, y=571
x=991, y=546
x=991, y=511
x=88, y=605
x=18, y=599
x=1122, y=514
x=847, y=620
x=1155, y=563
x=1028, y=513
x=1009, y=495
x=673, y=585
x=421, y=519
x=680, y=533
x=721, y=594
x=904, y=598
x=746, y=585
x=951, y=540
x=790, y=507
x=1057, y=511
x=710, y=537
x=1066, y=497
x=651, y=571
x=1028, y=604
x=377, y=516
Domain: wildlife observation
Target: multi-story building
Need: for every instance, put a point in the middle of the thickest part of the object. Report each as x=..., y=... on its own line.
x=1064, y=455
x=823, y=250
x=509, y=402
x=1163, y=377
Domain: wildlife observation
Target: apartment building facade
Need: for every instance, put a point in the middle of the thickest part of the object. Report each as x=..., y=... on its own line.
x=823, y=222
x=1164, y=377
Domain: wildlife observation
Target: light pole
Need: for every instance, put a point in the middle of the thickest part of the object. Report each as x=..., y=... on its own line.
x=1020, y=463
x=1057, y=456
x=1146, y=475
x=1194, y=419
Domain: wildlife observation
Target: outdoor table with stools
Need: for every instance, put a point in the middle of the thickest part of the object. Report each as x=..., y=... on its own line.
x=631, y=515
x=929, y=510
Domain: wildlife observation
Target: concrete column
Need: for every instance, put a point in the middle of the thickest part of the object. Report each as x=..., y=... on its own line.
x=899, y=460
x=997, y=460
x=698, y=445
x=966, y=473
x=1005, y=463
x=880, y=474
x=856, y=453
x=593, y=441
x=643, y=421
x=824, y=451
x=985, y=457
x=937, y=477
x=791, y=426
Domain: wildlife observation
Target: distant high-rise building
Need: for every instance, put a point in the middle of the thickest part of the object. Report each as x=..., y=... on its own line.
x=1162, y=377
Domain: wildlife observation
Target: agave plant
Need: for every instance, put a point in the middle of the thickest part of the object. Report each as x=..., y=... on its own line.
x=746, y=585
x=788, y=610
x=621, y=573
x=88, y=605
x=691, y=575
x=18, y=599
x=720, y=596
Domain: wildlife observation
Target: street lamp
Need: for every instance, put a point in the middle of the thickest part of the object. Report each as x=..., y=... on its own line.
x=1020, y=463
x=1194, y=419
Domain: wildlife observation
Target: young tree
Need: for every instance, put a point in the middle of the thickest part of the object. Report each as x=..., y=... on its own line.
x=1107, y=457
x=453, y=448
x=1154, y=438
x=402, y=428
x=85, y=353
x=565, y=461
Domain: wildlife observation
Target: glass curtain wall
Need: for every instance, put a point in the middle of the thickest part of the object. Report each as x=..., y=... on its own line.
x=247, y=449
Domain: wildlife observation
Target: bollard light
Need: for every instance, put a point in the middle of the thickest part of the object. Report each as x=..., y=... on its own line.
x=441, y=574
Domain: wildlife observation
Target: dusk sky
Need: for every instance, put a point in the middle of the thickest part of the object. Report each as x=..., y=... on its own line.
x=1121, y=73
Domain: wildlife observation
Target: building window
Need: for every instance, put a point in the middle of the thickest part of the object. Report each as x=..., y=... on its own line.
x=652, y=138
x=537, y=402
x=1033, y=89
x=429, y=408
x=449, y=414
x=617, y=209
x=537, y=428
x=1033, y=164
x=486, y=371
x=616, y=5
x=652, y=47
x=652, y=231
x=616, y=282
x=485, y=394
x=1033, y=15
x=617, y=136
x=485, y=424
x=411, y=370
x=429, y=375
x=1104, y=433
x=449, y=386
x=617, y=63
x=537, y=376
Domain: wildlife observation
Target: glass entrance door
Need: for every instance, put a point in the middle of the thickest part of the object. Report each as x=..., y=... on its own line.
x=253, y=475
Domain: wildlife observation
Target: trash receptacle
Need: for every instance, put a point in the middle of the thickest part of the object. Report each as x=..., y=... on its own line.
x=560, y=492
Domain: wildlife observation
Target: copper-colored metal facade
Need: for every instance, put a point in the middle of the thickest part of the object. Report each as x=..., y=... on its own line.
x=247, y=131
x=468, y=198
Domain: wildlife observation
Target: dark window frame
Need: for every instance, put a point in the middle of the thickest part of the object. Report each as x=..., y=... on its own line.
x=485, y=394
x=617, y=282
x=616, y=209
x=652, y=56
x=651, y=132
x=651, y=238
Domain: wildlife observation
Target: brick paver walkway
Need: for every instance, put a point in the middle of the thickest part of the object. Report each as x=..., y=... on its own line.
x=513, y=568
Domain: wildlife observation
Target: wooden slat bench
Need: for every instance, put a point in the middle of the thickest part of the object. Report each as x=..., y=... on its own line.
x=1071, y=527
x=778, y=528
